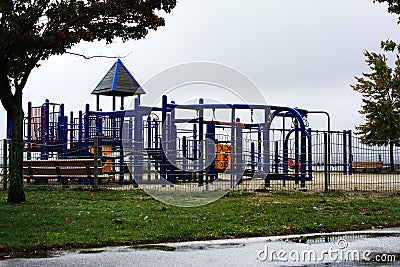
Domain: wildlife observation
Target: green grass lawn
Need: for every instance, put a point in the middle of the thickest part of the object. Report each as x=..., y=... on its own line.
x=65, y=219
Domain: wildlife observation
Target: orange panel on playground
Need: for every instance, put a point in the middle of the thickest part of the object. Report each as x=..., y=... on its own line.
x=107, y=167
x=222, y=157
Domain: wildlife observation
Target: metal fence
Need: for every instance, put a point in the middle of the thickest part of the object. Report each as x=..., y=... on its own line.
x=332, y=166
x=4, y=147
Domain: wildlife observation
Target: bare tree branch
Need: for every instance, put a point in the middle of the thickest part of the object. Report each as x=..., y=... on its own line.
x=97, y=56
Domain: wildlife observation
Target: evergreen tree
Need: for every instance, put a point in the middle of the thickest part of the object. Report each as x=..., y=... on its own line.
x=380, y=90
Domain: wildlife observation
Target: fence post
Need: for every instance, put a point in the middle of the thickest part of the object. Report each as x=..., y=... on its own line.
x=96, y=162
x=5, y=175
x=326, y=178
x=350, y=144
x=345, y=162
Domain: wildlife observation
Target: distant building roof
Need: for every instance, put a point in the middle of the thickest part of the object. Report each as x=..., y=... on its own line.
x=119, y=82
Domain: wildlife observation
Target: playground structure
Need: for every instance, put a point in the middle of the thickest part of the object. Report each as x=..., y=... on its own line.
x=175, y=144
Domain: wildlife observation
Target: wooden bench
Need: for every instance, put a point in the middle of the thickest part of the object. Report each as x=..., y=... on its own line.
x=367, y=165
x=62, y=170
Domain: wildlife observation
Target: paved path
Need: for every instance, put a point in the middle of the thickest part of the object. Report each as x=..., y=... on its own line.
x=366, y=248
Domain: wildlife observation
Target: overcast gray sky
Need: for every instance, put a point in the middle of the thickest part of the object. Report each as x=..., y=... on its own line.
x=300, y=53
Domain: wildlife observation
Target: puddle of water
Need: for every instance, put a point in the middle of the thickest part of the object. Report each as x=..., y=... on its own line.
x=175, y=247
x=334, y=238
x=91, y=251
x=154, y=247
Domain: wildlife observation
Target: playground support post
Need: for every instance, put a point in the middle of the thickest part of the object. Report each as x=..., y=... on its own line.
x=201, y=143
x=296, y=153
x=86, y=130
x=326, y=163
x=29, y=132
x=210, y=155
x=303, y=154
x=350, y=152
x=173, y=144
x=96, y=162
x=233, y=148
x=72, y=129
x=266, y=143
x=149, y=143
x=310, y=161
x=345, y=152
x=163, y=167
x=46, y=131
x=239, y=153
x=137, y=147
x=80, y=133
x=5, y=167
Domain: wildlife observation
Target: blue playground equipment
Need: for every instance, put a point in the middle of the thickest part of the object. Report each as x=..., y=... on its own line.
x=162, y=145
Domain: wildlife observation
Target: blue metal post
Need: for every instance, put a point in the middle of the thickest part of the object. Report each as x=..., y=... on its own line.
x=163, y=171
x=99, y=134
x=121, y=151
x=59, y=132
x=266, y=146
x=344, y=152
x=29, y=133
x=233, y=149
x=80, y=133
x=184, y=159
x=173, y=148
x=296, y=153
x=310, y=161
x=156, y=145
x=62, y=138
x=71, y=130
x=137, y=144
x=195, y=143
x=211, y=155
x=259, y=147
x=46, y=130
x=87, y=129
x=149, y=145
x=65, y=135
x=149, y=139
x=201, y=144
x=303, y=155
x=170, y=151
x=350, y=152
x=253, y=157
x=239, y=152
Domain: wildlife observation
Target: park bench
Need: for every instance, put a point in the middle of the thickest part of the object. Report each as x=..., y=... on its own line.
x=62, y=170
x=367, y=165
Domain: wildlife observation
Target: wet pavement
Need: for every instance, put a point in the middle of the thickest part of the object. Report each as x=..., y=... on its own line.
x=364, y=248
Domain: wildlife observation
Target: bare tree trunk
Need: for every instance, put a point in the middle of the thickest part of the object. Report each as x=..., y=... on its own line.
x=16, y=193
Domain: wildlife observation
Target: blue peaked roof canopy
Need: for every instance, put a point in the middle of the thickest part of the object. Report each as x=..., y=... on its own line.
x=118, y=82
